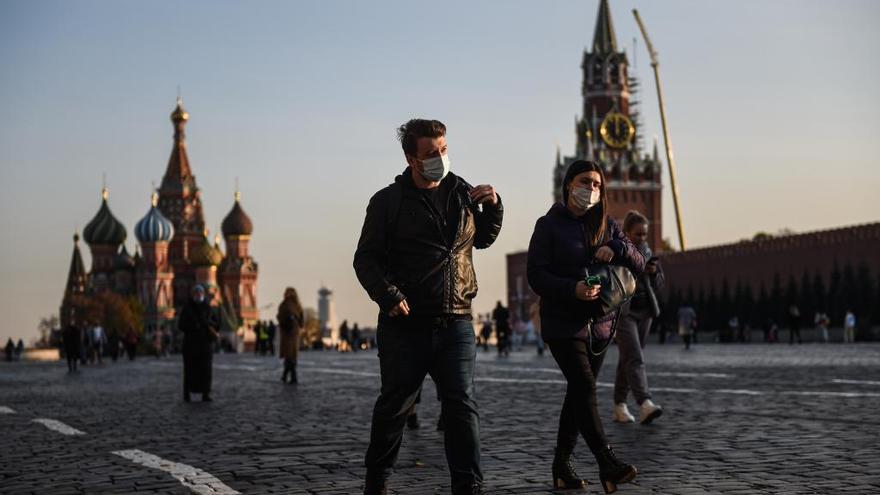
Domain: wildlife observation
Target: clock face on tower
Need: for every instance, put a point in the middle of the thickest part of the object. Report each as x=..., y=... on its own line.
x=617, y=130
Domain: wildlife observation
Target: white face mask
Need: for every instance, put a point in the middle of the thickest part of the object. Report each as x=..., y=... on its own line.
x=199, y=298
x=435, y=169
x=585, y=198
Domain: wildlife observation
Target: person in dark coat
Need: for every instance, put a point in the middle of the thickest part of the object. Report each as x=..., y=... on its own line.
x=415, y=260
x=566, y=241
x=501, y=315
x=72, y=338
x=131, y=342
x=290, y=321
x=10, y=350
x=199, y=323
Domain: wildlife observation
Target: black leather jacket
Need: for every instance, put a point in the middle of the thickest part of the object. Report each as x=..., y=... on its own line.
x=403, y=252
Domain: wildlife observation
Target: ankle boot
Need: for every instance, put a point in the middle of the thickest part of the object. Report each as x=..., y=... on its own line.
x=564, y=476
x=612, y=471
x=376, y=483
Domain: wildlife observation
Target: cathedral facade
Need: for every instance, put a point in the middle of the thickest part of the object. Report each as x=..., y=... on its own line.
x=173, y=254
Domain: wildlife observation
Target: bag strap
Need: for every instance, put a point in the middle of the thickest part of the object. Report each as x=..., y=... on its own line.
x=610, y=337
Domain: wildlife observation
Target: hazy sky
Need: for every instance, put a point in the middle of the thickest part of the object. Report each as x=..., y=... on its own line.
x=772, y=105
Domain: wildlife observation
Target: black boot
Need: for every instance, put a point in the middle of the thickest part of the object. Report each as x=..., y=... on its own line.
x=612, y=471
x=412, y=421
x=564, y=476
x=376, y=483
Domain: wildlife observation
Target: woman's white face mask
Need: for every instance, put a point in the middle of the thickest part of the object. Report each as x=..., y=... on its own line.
x=585, y=198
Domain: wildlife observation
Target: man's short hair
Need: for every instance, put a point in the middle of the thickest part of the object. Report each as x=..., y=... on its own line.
x=408, y=134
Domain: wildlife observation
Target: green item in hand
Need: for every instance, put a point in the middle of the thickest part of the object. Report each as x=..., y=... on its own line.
x=593, y=280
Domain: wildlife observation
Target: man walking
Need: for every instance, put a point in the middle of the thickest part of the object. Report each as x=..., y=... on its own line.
x=414, y=258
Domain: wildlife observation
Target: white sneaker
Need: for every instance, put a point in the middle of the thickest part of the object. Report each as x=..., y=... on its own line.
x=649, y=411
x=621, y=414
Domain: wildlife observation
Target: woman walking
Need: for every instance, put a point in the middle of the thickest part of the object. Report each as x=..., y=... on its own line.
x=572, y=236
x=290, y=320
x=199, y=324
x=632, y=330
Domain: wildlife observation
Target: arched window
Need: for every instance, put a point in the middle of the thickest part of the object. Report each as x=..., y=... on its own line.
x=597, y=69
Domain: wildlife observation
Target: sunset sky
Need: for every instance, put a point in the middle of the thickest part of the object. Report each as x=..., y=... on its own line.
x=772, y=108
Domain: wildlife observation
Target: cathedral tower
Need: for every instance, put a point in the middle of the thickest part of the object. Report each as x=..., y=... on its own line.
x=238, y=273
x=154, y=273
x=104, y=234
x=180, y=202
x=76, y=284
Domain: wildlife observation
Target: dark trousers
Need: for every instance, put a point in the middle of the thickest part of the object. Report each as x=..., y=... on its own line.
x=408, y=350
x=795, y=330
x=580, y=414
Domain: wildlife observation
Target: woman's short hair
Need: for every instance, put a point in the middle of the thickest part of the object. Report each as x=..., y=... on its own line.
x=632, y=219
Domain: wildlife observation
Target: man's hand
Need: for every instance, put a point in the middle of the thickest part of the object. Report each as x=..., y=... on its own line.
x=402, y=308
x=484, y=194
x=604, y=254
x=651, y=268
x=586, y=292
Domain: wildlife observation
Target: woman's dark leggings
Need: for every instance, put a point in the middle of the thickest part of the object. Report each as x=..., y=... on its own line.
x=580, y=413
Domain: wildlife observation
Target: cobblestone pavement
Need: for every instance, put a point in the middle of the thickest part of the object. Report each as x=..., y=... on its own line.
x=738, y=419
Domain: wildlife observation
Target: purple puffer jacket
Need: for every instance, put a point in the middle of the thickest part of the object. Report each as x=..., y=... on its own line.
x=558, y=258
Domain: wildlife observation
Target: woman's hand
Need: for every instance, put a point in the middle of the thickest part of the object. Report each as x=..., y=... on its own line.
x=604, y=254
x=586, y=292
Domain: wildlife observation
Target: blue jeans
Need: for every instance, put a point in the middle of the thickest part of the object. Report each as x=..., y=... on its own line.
x=408, y=350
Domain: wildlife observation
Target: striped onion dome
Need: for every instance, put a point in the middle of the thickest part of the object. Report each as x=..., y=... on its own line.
x=205, y=254
x=104, y=228
x=154, y=227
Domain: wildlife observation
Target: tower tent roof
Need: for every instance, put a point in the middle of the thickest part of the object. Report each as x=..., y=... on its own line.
x=178, y=172
x=76, y=276
x=604, y=39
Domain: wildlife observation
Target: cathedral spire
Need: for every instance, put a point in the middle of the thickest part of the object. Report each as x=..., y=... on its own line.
x=178, y=171
x=604, y=39
x=76, y=276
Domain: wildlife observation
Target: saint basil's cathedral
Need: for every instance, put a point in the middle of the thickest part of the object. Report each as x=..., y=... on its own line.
x=174, y=252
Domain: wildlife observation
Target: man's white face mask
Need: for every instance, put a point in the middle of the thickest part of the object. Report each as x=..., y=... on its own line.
x=435, y=169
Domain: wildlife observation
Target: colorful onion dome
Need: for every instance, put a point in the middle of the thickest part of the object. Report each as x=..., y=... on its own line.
x=154, y=227
x=123, y=260
x=237, y=222
x=205, y=254
x=104, y=228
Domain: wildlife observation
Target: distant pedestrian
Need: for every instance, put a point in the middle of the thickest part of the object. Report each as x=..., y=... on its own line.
x=687, y=324
x=502, y=329
x=271, y=330
x=355, y=338
x=633, y=327
x=131, y=342
x=10, y=350
x=290, y=321
x=535, y=318
x=821, y=321
x=733, y=330
x=849, y=327
x=166, y=342
x=98, y=339
x=344, y=344
x=71, y=337
x=19, y=350
x=199, y=324
x=113, y=344
x=794, y=323
x=486, y=332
